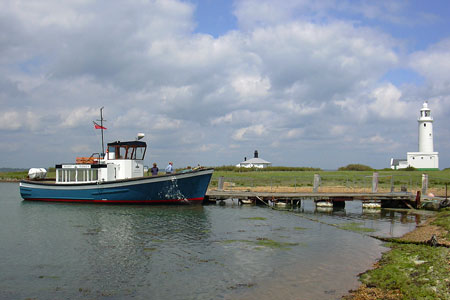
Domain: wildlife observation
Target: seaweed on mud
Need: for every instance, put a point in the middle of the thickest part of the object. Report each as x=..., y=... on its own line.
x=356, y=227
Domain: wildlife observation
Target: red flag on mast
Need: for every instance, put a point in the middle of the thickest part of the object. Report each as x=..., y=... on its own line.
x=96, y=126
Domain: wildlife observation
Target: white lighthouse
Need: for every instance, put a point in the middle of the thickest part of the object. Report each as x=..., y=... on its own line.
x=425, y=129
x=426, y=158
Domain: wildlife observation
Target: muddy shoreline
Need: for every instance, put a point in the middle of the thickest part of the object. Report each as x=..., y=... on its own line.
x=418, y=240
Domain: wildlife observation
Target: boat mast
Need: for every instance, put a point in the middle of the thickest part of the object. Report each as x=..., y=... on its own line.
x=101, y=125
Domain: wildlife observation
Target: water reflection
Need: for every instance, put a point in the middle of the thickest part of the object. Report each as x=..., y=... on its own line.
x=79, y=251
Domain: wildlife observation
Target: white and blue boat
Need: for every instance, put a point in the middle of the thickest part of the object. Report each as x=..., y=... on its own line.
x=118, y=177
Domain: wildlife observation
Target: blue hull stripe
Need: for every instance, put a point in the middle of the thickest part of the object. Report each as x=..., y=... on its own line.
x=183, y=187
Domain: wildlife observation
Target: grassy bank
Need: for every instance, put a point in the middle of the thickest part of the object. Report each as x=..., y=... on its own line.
x=345, y=180
x=13, y=176
x=16, y=176
x=413, y=269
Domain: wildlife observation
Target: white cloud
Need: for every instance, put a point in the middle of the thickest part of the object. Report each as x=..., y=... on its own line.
x=207, y=147
x=228, y=118
x=376, y=139
x=45, y=13
x=263, y=13
x=15, y=120
x=293, y=71
x=79, y=116
x=337, y=130
x=434, y=65
x=10, y=120
x=388, y=102
x=294, y=133
x=164, y=123
x=248, y=132
x=250, y=87
x=144, y=120
x=301, y=109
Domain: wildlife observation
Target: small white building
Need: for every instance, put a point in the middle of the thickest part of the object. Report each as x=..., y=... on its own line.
x=255, y=162
x=399, y=163
x=425, y=158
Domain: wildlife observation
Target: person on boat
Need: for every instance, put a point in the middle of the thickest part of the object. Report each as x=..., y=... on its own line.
x=154, y=170
x=169, y=168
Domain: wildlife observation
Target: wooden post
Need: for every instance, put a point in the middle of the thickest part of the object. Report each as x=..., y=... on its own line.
x=220, y=184
x=316, y=183
x=418, y=198
x=375, y=182
x=424, y=184
x=392, y=183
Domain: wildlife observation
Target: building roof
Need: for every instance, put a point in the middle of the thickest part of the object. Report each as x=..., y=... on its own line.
x=255, y=161
x=396, y=161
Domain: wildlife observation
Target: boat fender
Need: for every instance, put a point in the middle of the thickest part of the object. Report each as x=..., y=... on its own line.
x=37, y=173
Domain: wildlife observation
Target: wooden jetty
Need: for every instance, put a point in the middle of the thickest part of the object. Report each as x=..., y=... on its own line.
x=392, y=199
x=395, y=199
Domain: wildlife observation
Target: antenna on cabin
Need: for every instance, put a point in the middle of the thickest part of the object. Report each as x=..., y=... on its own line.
x=101, y=127
x=140, y=136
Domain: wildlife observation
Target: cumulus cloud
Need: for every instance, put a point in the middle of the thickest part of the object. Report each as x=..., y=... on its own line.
x=14, y=120
x=10, y=120
x=434, y=65
x=78, y=116
x=376, y=139
x=388, y=102
x=249, y=132
x=302, y=108
x=262, y=13
x=293, y=73
x=337, y=130
x=251, y=86
x=294, y=133
x=228, y=118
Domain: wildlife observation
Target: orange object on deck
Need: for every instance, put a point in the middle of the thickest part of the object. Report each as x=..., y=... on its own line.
x=86, y=160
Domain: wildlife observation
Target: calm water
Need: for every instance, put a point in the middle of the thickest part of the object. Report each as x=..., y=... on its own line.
x=79, y=251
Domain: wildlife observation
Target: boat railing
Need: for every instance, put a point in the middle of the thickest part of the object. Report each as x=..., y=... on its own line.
x=76, y=175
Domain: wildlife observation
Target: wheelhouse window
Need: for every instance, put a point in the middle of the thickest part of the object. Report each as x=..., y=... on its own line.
x=139, y=152
x=127, y=150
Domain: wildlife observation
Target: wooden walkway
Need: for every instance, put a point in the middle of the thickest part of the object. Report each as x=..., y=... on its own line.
x=387, y=199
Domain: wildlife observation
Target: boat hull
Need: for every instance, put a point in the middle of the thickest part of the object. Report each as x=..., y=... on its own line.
x=189, y=187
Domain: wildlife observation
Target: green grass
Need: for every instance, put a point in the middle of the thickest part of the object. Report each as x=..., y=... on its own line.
x=410, y=179
x=443, y=220
x=264, y=242
x=23, y=175
x=13, y=175
x=417, y=271
x=356, y=227
x=300, y=228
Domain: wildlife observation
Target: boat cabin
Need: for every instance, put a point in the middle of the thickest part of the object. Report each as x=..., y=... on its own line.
x=123, y=160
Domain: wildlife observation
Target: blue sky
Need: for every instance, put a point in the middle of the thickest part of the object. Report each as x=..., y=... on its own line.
x=214, y=17
x=321, y=84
